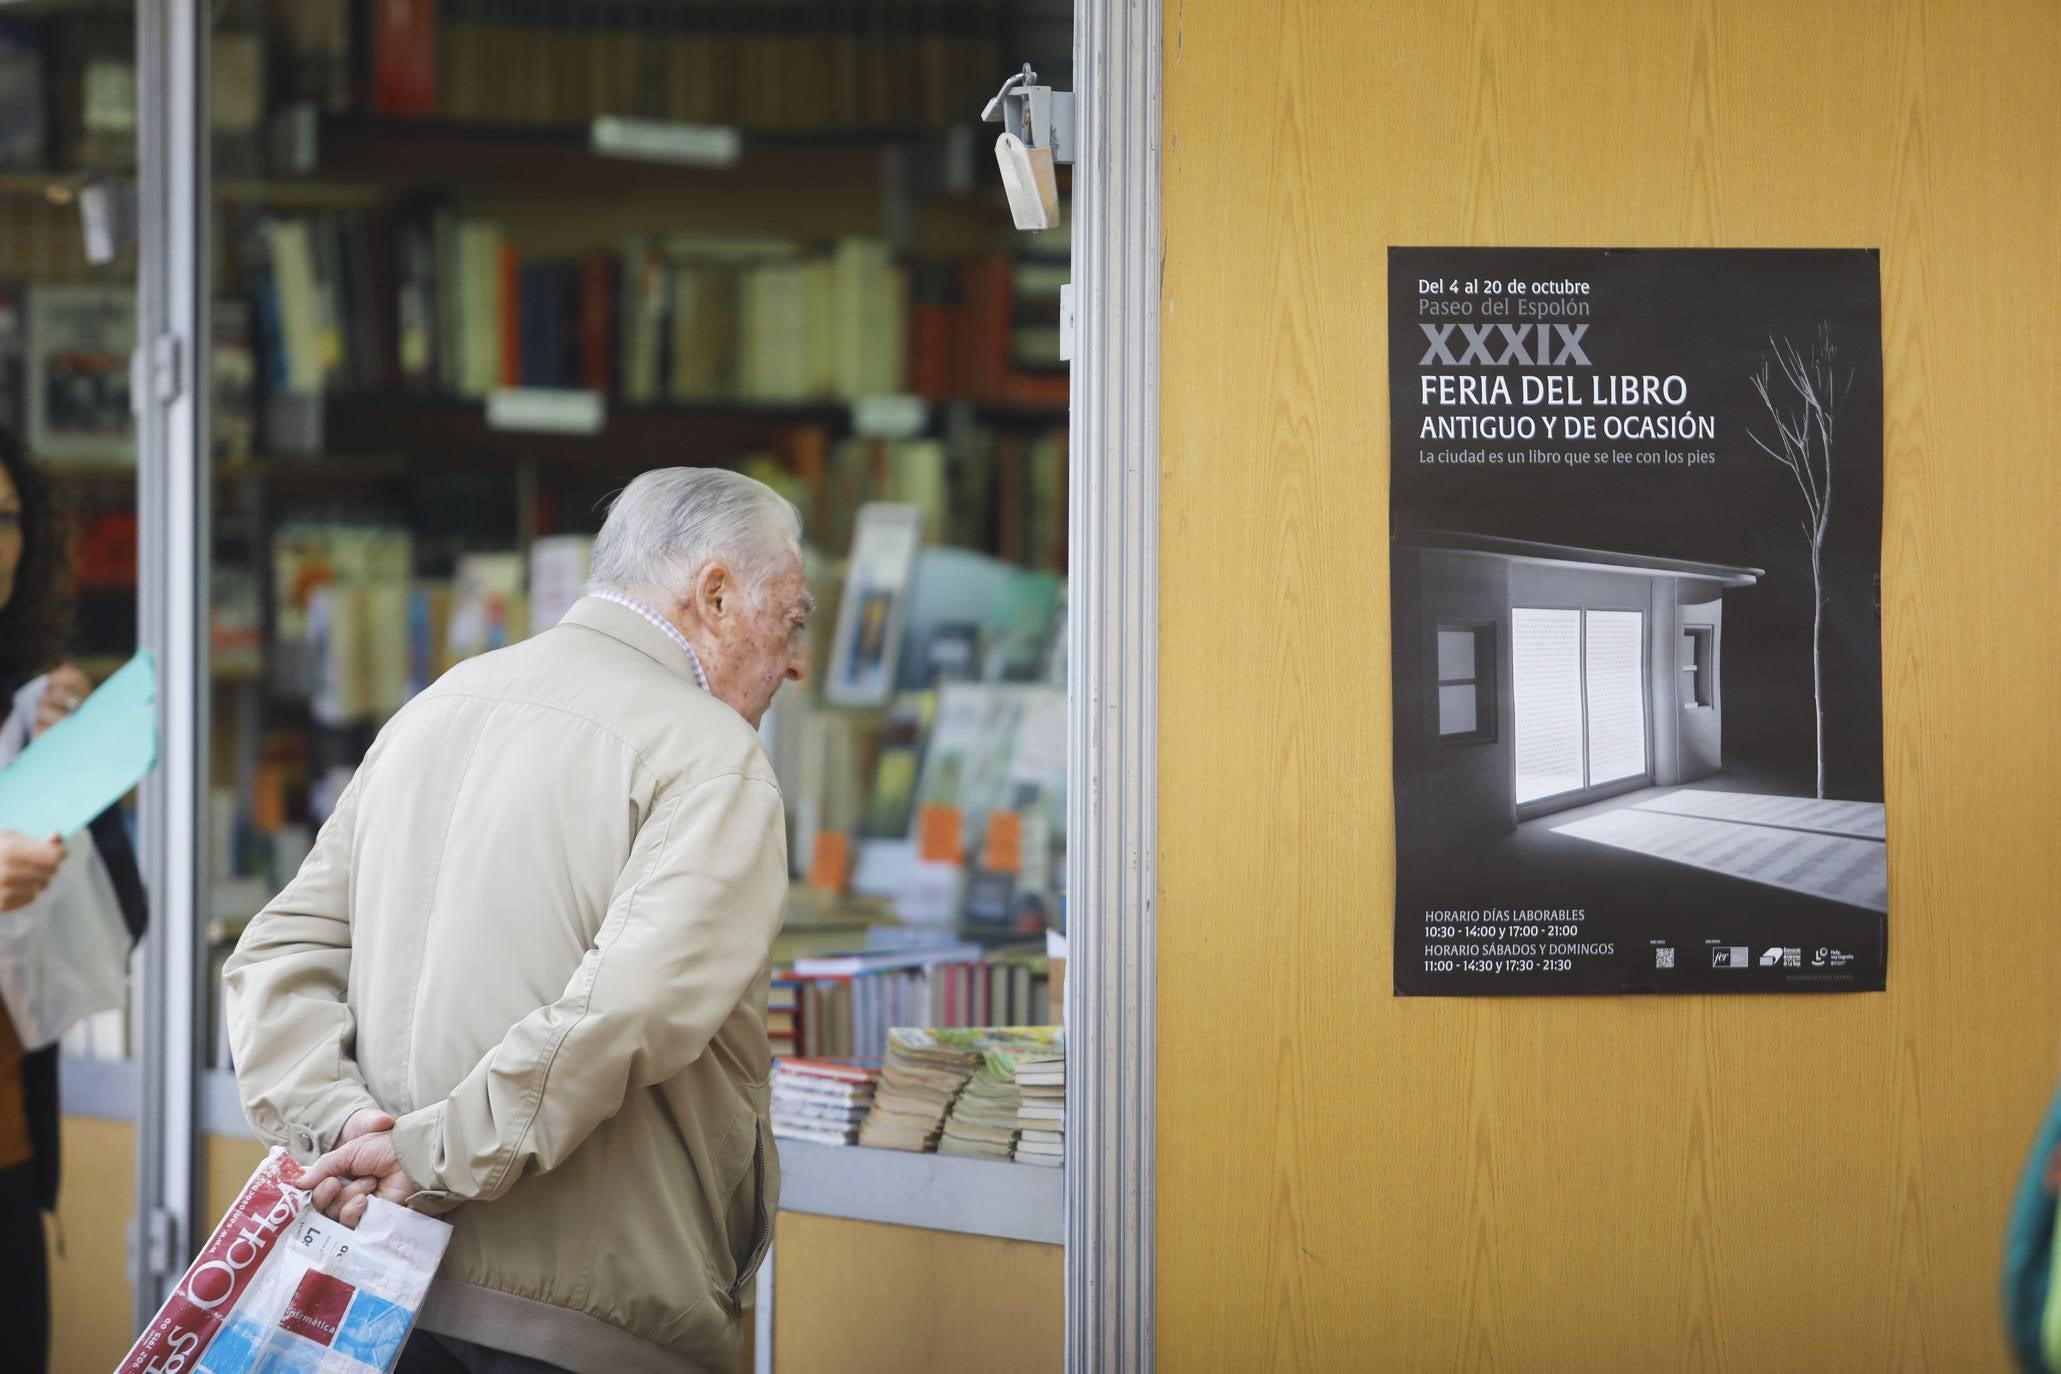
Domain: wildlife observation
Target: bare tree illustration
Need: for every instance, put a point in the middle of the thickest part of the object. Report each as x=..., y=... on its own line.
x=1804, y=405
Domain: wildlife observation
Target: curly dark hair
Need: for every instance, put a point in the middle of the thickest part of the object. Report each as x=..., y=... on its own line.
x=36, y=623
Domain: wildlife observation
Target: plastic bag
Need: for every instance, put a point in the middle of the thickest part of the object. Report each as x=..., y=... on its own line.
x=282, y=1289
x=65, y=956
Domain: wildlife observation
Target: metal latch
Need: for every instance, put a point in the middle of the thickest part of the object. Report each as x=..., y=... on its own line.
x=1038, y=115
x=154, y=372
x=153, y=1246
x=1037, y=135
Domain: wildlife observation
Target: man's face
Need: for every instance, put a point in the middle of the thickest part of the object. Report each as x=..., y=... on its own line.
x=762, y=641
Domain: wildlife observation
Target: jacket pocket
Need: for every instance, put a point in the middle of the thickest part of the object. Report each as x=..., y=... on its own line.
x=749, y=1219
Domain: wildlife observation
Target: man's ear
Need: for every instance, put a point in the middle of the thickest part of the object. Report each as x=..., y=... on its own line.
x=715, y=593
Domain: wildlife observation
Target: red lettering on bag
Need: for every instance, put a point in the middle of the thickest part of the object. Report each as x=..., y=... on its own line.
x=219, y=1274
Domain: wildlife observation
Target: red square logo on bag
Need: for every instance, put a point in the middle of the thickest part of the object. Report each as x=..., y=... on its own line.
x=318, y=1307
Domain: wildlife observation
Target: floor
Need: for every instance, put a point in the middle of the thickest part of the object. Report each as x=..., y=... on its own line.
x=1828, y=849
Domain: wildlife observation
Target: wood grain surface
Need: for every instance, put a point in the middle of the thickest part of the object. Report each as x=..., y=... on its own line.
x=90, y=1321
x=861, y=1298
x=1349, y=1181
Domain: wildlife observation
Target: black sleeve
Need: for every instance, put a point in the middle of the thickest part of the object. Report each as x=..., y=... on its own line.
x=111, y=838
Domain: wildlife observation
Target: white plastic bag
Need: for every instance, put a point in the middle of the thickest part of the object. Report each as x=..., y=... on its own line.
x=281, y=1289
x=65, y=956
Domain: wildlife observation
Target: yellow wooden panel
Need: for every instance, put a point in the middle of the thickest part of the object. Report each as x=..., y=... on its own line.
x=1350, y=1181
x=867, y=1299
x=89, y=1282
x=229, y=1161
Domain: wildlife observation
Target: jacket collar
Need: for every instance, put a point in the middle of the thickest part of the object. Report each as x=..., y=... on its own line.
x=624, y=625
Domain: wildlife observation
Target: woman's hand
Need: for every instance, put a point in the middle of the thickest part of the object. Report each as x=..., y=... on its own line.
x=65, y=692
x=26, y=867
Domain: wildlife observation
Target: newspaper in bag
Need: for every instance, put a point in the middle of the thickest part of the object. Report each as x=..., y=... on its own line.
x=281, y=1289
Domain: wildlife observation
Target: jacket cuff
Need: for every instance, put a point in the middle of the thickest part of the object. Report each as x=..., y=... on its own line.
x=312, y=1131
x=418, y=1141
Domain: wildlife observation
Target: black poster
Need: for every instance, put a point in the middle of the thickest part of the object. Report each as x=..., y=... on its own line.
x=1635, y=542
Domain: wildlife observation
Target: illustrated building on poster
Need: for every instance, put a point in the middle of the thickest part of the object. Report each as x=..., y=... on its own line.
x=1548, y=676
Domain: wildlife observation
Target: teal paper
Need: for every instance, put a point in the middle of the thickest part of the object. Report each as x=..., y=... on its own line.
x=88, y=761
x=2050, y=1333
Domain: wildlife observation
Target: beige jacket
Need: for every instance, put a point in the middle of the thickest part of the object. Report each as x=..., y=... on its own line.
x=537, y=930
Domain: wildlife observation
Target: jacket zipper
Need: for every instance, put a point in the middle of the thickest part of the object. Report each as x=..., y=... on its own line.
x=762, y=1230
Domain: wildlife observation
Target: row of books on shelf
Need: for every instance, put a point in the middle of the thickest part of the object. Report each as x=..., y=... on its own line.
x=840, y=1007
x=775, y=65
x=981, y=1093
x=437, y=302
x=356, y=633
x=355, y=627
x=68, y=80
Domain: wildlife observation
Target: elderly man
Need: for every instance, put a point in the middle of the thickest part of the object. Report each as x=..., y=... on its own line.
x=521, y=980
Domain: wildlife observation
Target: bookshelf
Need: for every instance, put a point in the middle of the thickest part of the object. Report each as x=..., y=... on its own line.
x=828, y=155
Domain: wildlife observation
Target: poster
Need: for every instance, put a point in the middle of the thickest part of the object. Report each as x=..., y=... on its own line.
x=80, y=340
x=1635, y=550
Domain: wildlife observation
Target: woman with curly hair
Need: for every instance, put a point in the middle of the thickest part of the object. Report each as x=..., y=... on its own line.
x=37, y=690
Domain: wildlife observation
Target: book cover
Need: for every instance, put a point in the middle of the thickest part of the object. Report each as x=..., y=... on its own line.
x=80, y=339
x=23, y=126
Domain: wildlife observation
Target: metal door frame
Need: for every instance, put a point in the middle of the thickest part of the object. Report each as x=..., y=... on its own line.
x=1112, y=689
x=169, y=380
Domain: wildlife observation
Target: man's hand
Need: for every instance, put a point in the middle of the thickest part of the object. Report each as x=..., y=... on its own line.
x=329, y=1195
x=357, y=1171
x=2054, y=1173
x=26, y=867
x=63, y=694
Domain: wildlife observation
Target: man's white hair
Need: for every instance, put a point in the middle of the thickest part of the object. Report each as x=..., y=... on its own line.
x=670, y=523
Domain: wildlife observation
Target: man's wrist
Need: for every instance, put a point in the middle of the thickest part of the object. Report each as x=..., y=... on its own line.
x=316, y=1130
x=418, y=1145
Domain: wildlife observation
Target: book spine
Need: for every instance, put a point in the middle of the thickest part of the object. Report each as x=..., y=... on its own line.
x=510, y=278
x=404, y=74
x=595, y=308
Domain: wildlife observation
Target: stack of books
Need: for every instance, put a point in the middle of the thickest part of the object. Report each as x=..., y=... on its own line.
x=985, y=1120
x=920, y=1100
x=921, y=1078
x=821, y=1102
x=1041, y=1111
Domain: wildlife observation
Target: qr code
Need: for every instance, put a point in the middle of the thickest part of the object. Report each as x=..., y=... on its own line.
x=1664, y=957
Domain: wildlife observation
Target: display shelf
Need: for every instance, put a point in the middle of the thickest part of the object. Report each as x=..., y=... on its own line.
x=632, y=437
x=383, y=438
x=1036, y=414
x=974, y=1197
x=977, y=1197
x=355, y=151
x=62, y=188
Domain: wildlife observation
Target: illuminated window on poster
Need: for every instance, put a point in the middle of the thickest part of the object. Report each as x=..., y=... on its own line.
x=1546, y=656
x=1614, y=664
x=1579, y=688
